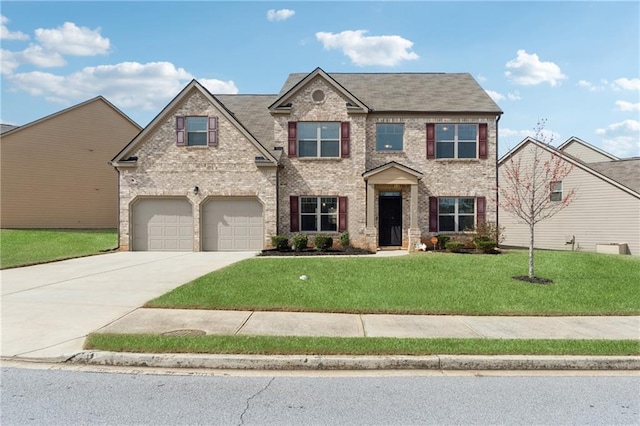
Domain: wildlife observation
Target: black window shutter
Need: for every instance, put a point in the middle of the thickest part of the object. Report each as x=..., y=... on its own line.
x=293, y=138
x=345, y=139
x=342, y=214
x=433, y=214
x=482, y=141
x=180, y=130
x=431, y=141
x=294, y=217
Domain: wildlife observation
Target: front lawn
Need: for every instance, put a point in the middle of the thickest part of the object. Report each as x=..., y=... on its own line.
x=421, y=283
x=21, y=247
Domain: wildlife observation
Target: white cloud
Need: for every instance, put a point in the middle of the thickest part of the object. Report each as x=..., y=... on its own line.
x=280, y=15
x=8, y=62
x=218, y=86
x=36, y=55
x=546, y=135
x=69, y=39
x=481, y=78
x=363, y=50
x=590, y=86
x=495, y=95
x=133, y=85
x=514, y=96
x=6, y=34
x=621, y=139
x=628, y=106
x=528, y=70
x=626, y=84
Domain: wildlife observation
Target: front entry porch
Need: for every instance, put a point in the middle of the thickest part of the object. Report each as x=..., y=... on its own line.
x=392, y=207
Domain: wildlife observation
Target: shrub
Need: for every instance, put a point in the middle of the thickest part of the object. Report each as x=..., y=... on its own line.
x=344, y=239
x=489, y=231
x=442, y=241
x=300, y=242
x=455, y=246
x=280, y=242
x=323, y=242
x=485, y=246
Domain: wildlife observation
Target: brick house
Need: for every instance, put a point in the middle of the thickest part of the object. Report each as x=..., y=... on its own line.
x=389, y=158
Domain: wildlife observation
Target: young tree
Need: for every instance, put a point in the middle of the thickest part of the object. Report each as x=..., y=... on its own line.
x=527, y=187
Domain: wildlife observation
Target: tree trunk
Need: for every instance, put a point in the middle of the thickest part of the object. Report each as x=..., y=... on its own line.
x=531, y=275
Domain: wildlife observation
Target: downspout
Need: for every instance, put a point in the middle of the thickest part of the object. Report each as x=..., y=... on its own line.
x=117, y=205
x=278, y=199
x=497, y=190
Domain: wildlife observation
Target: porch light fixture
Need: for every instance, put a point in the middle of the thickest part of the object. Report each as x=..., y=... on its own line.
x=196, y=190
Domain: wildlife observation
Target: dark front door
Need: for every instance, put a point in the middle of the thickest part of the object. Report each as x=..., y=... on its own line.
x=390, y=222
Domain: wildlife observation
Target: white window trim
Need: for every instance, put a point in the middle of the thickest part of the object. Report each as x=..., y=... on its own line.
x=187, y=132
x=456, y=141
x=456, y=214
x=319, y=140
x=556, y=191
x=318, y=214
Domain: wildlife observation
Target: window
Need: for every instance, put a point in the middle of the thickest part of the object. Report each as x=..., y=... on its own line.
x=196, y=131
x=318, y=139
x=456, y=214
x=319, y=214
x=456, y=140
x=389, y=137
x=556, y=191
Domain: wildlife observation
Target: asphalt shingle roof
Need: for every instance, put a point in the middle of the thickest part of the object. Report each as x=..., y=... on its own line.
x=626, y=172
x=6, y=128
x=412, y=92
x=253, y=112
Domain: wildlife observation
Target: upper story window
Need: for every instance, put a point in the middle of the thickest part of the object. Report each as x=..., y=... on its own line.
x=556, y=191
x=196, y=131
x=456, y=140
x=318, y=139
x=456, y=214
x=389, y=137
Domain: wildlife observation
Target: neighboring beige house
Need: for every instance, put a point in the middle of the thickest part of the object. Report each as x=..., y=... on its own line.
x=55, y=171
x=389, y=158
x=605, y=214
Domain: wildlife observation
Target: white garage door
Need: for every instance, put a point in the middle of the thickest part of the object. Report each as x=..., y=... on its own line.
x=232, y=224
x=163, y=224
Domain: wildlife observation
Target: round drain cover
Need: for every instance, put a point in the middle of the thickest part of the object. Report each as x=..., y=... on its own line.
x=185, y=332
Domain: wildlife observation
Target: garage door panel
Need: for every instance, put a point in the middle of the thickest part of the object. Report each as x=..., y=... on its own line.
x=232, y=224
x=163, y=224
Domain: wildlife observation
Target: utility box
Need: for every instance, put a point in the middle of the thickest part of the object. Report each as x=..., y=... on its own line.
x=612, y=248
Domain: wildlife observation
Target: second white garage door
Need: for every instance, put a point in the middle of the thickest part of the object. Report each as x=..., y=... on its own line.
x=232, y=224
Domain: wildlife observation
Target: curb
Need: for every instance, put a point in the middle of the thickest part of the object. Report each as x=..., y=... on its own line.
x=337, y=362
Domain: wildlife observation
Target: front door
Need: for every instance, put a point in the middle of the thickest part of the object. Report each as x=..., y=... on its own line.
x=390, y=220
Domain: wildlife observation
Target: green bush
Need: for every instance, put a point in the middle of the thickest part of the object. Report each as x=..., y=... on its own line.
x=485, y=246
x=280, y=242
x=442, y=241
x=344, y=239
x=454, y=246
x=489, y=231
x=300, y=242
x=323, y=242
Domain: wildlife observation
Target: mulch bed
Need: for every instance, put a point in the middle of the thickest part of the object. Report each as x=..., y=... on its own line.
x=334, y=251
x=534, y=280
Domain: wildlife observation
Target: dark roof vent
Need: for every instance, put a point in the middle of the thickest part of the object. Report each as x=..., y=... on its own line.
x=131, y=159
x=278, y=148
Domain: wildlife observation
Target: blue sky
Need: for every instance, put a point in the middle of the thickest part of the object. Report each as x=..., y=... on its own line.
x=575, y=64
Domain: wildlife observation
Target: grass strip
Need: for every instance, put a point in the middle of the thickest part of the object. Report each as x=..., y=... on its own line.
x=22, y=247
x=287, y=345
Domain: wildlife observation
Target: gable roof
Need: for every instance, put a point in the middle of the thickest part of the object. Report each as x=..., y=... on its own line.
x=389, y=165
x=612, y=172
x=80, y=105
x=6, y=127
x=579, y=141
x=229, y=115
x=407, y=92
x=253, y=112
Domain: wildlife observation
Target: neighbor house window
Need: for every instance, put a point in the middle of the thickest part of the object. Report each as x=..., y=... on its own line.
x=456, y=140
x=456, y=214
x=389, y=137
x=319, y=214
x=556, y=191
x=196, y=131
x=318, y=139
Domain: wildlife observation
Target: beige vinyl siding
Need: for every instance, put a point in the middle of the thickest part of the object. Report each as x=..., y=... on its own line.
x=584, y=153
x=55, y=173
x=600, y=214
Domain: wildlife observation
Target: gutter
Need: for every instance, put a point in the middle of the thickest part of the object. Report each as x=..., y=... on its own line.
x=497, y=185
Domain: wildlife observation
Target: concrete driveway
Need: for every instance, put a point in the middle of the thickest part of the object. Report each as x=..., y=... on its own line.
x=48, y=310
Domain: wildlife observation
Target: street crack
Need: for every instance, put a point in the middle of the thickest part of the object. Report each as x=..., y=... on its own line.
x=255, y=395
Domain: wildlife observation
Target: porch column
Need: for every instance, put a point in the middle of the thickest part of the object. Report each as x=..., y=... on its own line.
x=371, y=198
x=414, y=206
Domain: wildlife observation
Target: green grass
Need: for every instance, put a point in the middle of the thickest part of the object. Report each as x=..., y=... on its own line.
x=421, y=283
x=271, y=345
x=21, y=247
